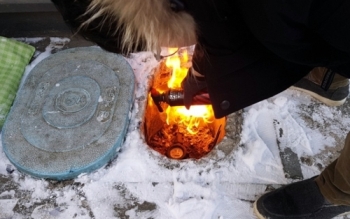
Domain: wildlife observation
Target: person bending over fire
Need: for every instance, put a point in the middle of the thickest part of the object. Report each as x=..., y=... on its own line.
x=246, y=51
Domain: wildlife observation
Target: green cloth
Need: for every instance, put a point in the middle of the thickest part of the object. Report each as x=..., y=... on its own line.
x=14, y=57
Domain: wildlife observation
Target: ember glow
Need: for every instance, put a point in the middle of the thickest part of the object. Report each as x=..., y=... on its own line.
x=170, y=128
x=193, y=118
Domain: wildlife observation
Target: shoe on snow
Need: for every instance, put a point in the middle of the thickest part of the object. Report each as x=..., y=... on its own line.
x=300, y=200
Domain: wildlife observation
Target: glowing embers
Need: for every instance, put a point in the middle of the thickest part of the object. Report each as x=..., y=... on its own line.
x=170, y=128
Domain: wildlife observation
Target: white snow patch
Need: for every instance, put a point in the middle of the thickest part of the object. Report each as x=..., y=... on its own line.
x=185, y=189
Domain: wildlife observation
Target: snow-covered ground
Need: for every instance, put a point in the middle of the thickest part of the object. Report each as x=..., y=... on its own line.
x=140, y=183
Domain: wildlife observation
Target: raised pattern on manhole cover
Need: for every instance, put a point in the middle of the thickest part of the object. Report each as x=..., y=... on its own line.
x=72, y=102
x=71, y=114
x=67, y=104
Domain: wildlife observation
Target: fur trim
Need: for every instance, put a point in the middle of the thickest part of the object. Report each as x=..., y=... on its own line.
x=150, y=23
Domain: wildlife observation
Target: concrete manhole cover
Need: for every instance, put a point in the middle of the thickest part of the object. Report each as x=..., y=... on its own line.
x=71, y=114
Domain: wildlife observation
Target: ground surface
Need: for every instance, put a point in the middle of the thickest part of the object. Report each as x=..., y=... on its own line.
x=283, y=139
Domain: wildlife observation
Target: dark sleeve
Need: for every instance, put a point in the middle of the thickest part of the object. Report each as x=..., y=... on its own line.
x=330, y=20
x=238, y=69
x=241, y=79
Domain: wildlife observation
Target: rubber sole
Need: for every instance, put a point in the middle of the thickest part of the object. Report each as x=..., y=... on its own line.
x=259, y=216
x=256, y=212
x=324, y=100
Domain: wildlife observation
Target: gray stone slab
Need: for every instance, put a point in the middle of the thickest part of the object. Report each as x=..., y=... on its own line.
x=289, y=159
x=71, y=114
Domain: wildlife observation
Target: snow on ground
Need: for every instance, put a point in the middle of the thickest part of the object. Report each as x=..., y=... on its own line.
x=140, y=183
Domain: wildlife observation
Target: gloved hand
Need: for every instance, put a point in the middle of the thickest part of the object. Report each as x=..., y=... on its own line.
x=191, y=86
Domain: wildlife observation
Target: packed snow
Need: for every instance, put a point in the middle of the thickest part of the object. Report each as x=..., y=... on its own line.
x=140, y=183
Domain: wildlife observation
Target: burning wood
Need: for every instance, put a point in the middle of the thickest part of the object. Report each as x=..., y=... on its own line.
x=194, y=146
x=183, y=133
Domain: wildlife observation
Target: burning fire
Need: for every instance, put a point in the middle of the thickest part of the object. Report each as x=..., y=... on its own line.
x=170, y=128
x=178, y=71
x=196, y=116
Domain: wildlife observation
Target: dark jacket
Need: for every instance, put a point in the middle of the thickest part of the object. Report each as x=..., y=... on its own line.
x=250, y=50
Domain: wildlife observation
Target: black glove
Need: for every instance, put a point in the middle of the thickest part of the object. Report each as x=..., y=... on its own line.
x=191, y=86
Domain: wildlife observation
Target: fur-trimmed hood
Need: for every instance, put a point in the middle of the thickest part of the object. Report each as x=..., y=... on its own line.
x=129, y=25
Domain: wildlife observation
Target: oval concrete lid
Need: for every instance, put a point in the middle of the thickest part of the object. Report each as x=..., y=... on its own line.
x=71, y=114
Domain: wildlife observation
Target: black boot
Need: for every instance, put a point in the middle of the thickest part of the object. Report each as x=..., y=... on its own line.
x=326, y=86
x=298, y=200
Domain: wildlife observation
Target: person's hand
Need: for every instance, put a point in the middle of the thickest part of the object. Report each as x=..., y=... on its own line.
x=192, y=84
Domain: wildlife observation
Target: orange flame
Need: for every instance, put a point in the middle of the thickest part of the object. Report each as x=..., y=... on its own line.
x=178, y=72
x=196, y=116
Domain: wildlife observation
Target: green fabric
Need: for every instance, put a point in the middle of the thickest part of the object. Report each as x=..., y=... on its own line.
x=14, y=57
